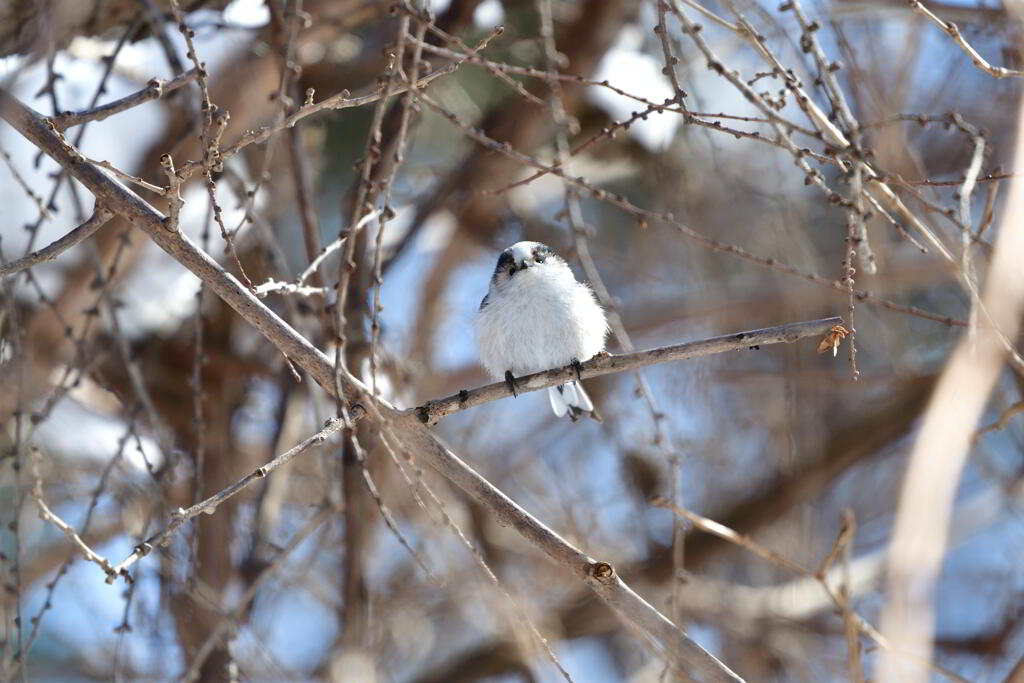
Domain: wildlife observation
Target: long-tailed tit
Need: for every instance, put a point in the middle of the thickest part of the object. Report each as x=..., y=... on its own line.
x=535, y=317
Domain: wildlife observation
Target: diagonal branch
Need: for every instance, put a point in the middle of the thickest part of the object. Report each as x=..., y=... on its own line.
x=433, y=412
x=51, y=251
x=953, y=31
x=154, y=90
x=670, y=641
x=209, y=506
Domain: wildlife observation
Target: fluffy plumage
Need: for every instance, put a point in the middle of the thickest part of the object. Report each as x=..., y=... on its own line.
x=535, y=317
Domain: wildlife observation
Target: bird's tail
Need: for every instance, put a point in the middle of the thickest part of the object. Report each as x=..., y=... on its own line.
x=572, y=399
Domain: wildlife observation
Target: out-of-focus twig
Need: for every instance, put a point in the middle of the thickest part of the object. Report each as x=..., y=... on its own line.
x=863, y=626
x=940, y=451
x=209, y=506
x=953, y=31
x=230, y=620
x=1001, y=423
x=51, y=251
x=342, y=100
x=49, y=515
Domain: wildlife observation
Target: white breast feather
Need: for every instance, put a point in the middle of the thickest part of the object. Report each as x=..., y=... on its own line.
x=541, y=318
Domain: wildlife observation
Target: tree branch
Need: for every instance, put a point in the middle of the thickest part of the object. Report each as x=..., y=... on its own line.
x=432, y=412
x=953, y=31
x=154, y=90
x=921, y=528
x=342, y=100
x=48, y=515
x=672, y=643
x=209, y=506
x=99, y=218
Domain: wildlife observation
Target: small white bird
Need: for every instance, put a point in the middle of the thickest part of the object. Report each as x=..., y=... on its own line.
x=535, y=317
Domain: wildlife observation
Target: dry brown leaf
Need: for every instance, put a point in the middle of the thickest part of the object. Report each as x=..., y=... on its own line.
x=832, y=339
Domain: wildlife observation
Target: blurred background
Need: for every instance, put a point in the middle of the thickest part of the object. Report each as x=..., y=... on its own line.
x=143, y=392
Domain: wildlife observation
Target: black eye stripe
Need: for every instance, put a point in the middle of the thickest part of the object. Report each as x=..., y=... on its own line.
x=505, y=264
x=540, y=253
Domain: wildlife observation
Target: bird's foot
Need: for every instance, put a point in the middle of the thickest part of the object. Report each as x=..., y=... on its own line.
x=578, y=367
x=510, y=381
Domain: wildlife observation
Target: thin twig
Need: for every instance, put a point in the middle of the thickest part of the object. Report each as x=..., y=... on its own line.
x=333, y=247
x=670, y=60
x=724, y=532
x=855, y=232
x=155, y=89
x=1002, y=423
x=44, y=211
x=953, y=31
x=209, y=506
x=342, y=100
x=99, y=218
x=218, y=633
x=49, y=515
x=645, y=215
x=277, y=287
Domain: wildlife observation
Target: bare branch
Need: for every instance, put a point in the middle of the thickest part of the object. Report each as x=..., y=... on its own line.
x=433, y=412
x=209, y=506
x=155, y=89
x=174, y=199
x=49, y=515
x=44, y=212
x=278, y=287
x=953, y=31
x=99, y=218
x=333, y=247
x=342, y=100
x=821, y=577
x=940, y=452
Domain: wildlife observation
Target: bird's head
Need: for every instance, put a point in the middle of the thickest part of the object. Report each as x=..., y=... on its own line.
x=522, y=257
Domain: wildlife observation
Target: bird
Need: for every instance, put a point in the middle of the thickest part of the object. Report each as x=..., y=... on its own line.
x=537, y=316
